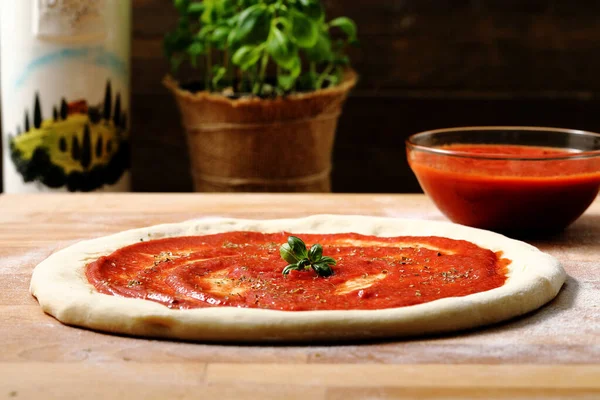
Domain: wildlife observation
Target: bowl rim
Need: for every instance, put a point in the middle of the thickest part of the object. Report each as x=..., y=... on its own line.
x=411, y=145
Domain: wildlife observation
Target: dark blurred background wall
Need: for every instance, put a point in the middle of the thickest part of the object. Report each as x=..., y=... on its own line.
x=424, y=64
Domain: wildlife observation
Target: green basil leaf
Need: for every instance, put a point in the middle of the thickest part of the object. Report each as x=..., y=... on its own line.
x=220, y=33
x=232, y=39
x=289, y=268
x=286, y=82
x=304, y=30
x=286, y=252
x=281, y=49
x=225, y=7
x=322, y=269
x=321, y=51
x=339, y=73
x=231, y=22
x=246, y=57
x=218, y=73
x=253, y=25
x=194, y=50
x=296, y=68
x=315, y=253
x=332, y=79
x=195, y=9
x=294, y=252
x=205, y=31
x=312, y=9
x=245, y=3
x=346, y=25
x=298, y=247
x=209, y=15
x=219, y=36
x=181, y=5
x=328, y=260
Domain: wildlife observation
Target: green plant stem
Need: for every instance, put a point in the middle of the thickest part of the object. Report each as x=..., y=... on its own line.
x=226, y=59
x=313, y=74
x=263, y=70
x=253, y=74
x=323, y=75
x=240, y=77
x=208, y=72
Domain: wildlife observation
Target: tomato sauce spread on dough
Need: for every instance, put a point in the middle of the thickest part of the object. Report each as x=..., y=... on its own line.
x=244, y=269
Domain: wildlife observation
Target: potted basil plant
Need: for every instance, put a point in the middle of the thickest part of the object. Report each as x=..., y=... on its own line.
x=274, y=76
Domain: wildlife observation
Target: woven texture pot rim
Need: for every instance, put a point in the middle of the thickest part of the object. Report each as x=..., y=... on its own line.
x=349, y=81
x=252, y=144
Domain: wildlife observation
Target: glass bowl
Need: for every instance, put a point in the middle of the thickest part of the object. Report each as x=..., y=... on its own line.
x=509, y=179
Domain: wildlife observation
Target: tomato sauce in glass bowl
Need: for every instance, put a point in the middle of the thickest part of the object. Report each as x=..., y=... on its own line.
x=518, y=180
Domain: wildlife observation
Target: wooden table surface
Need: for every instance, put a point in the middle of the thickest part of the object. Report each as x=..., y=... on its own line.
x=551, y=353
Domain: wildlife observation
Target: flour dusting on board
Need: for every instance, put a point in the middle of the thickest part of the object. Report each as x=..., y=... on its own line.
x=21, y=262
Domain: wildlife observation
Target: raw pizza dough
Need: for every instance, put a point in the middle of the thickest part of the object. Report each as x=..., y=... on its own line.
x=60, y=285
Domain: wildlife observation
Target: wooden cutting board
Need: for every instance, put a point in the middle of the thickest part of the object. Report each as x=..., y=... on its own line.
x=551, y=353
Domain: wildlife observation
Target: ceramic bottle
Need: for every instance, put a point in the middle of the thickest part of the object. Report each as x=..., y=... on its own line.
x=65, y=72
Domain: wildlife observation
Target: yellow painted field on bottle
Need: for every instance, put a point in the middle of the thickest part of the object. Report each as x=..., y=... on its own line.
x=51, y=132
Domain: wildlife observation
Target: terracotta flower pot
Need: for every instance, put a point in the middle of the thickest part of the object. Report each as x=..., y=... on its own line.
x=256, y=145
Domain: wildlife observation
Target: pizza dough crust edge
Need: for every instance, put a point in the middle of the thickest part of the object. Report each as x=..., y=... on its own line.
x=62, y=290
